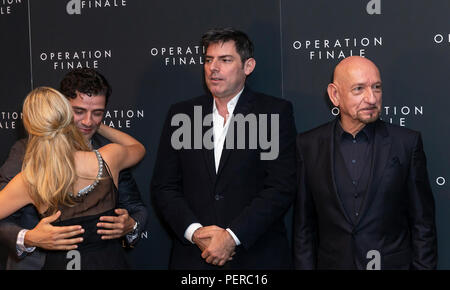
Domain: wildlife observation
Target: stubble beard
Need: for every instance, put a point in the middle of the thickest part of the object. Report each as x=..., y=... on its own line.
x=372, y=118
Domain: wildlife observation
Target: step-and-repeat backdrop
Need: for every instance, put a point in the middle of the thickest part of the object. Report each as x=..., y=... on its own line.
x=150, y=53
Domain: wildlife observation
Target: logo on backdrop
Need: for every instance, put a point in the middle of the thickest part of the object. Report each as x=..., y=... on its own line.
x=178, y=55
x=442, y=38
x=339, y=48
x=7, y=6
x=373, y=7
x=9, y=120
x=440, y=181
x=67, y=60
x=398, y=115
x=122, y=118
x=75, y=7
x=114, y=117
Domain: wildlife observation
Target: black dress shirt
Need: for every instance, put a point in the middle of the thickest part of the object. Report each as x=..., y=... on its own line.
x=353, y=160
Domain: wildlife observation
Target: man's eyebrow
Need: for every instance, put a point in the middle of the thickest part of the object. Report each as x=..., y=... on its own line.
x=220, y=56
x=84, y=109
x=78, y=108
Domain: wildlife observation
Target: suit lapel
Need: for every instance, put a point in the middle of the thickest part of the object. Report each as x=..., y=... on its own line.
x=208, y=154
x=243, y=106
x=381, y=149
x=328, y=147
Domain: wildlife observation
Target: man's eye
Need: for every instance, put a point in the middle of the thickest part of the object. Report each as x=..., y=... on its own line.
x=377, y=87
x=78, y=112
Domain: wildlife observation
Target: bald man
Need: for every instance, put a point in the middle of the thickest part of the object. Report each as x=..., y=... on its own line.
x=364, y=200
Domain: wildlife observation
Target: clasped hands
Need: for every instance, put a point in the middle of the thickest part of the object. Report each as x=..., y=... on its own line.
x=216, y=244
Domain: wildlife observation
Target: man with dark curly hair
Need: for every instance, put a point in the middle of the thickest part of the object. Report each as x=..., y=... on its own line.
x=88, y=92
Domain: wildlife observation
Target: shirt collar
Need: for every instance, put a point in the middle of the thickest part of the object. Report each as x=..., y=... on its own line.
x=231, y=103
x=367, y=131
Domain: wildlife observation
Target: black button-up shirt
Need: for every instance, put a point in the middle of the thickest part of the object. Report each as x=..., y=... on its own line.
x=353, y=160
x=356, y=151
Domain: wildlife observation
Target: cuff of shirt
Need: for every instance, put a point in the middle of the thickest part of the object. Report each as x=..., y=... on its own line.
x=236, y=240
x=20, y=244
x=190, y=231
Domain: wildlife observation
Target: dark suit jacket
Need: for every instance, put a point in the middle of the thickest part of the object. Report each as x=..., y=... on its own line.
x=28, y=217
x=397, y=216
x=247, y=195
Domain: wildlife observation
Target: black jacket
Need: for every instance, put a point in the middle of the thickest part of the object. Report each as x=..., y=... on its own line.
x=397, y=216
x=248, y=195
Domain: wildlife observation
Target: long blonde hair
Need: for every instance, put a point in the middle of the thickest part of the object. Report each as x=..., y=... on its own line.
x=49, y=166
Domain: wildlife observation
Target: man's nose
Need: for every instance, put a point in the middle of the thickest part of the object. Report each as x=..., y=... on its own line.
x=214, y=66
x=87, y=120
x=370, y=96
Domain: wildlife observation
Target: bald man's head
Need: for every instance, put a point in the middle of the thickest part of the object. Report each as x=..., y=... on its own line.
x=356, y=90
x=345, y=68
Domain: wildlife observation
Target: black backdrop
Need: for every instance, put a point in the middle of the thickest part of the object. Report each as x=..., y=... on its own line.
x=150, y=53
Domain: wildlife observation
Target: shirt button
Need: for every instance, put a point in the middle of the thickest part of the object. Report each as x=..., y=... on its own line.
x=354, y=141
x=357, y=213
x=218, y=197
x=354, y=182
x=353, y=161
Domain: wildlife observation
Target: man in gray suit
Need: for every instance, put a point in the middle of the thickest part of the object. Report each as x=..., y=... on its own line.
x=88, y=92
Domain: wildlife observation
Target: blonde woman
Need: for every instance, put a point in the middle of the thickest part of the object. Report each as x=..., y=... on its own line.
x=60, y=173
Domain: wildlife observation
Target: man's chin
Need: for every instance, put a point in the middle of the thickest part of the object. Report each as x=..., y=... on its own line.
x=87, y=135
x=369, y=119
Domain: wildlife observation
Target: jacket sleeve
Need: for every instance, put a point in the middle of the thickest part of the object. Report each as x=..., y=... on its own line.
x=305, y=220
x=278, y=192
x=166, y=185
x=130, y=199
x=421, y=211
x=9, y=228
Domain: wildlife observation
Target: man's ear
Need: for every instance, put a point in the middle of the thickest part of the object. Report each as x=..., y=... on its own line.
x=249, y=66
x=333, y=94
